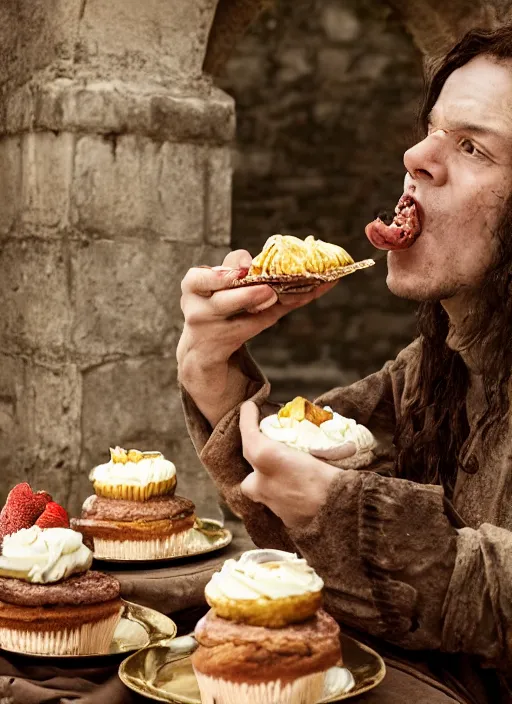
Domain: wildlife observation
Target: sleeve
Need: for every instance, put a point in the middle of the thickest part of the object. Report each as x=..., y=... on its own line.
x=396, y=567
x=386, y=551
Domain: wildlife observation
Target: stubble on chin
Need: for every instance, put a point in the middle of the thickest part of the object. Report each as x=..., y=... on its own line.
x=420, y=291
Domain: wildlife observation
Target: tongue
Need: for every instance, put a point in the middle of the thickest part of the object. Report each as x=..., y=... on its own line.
x=403, y=231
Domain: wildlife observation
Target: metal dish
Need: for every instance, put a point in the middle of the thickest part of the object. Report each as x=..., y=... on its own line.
x=138, y=628
x=212, y=536
x=163, y=672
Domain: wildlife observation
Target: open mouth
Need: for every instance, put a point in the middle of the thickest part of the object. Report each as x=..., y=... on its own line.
x=402, y=232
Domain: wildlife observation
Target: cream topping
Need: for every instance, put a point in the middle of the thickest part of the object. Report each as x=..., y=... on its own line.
x=308, y=437
x=151, y=467
x=272, y=574
x=44, y=555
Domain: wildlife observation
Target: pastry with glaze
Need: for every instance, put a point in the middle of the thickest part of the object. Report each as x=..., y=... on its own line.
x=292, y=265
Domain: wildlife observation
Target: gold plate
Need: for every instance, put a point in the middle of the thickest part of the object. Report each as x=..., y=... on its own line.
x=213, y=536
x=139, y=627
x=164, y=672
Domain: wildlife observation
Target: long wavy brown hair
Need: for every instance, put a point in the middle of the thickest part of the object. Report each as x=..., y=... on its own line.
x=432, y=435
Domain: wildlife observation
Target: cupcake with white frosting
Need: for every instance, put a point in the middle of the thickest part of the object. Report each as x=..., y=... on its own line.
x=134, y=513
x=266, y=638
x=319, y=431
x=134, y=475
x=51, y=603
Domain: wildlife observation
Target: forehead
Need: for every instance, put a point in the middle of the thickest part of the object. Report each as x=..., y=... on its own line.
x=480, y=92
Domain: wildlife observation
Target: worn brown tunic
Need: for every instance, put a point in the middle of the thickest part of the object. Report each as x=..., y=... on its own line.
x=396, y=563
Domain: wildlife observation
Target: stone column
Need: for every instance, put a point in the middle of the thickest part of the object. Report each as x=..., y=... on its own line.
x=115, y=178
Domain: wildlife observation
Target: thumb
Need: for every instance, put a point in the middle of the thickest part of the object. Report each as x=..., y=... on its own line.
x=249, y=487
x=249, y=420
x=336, y=453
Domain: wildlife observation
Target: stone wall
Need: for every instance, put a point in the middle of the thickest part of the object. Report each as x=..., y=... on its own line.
x=115, y=179
x=326, y=92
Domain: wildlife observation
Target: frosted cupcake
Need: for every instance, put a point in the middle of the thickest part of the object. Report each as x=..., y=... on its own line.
x=134, y=475
x=135, y=514
x=50, y=602
x=265, y=639
x=320, y=431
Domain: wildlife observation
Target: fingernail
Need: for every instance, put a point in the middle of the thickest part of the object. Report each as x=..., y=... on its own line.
x=266, y=304
x=222, y=268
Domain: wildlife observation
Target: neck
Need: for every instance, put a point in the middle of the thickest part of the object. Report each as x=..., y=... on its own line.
x=459, y=309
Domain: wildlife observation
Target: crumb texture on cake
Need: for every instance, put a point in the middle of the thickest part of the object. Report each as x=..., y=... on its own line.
x=131, y=530
x=54, y=618
x=239, y=652
x=158, y=508
x=88, y=588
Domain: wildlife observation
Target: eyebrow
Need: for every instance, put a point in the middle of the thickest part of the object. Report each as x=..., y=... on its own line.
x=471, y=127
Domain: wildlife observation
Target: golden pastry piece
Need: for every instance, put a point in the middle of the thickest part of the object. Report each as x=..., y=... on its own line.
x=118, y=455
x=290, y=264
x=302, y=409
x=121, y=456
x=272, y=613
x=285, y=254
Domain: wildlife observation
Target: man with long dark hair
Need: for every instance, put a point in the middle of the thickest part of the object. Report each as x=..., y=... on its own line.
x=416, y=551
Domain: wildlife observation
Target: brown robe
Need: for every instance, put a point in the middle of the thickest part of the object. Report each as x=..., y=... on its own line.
x=430, y=589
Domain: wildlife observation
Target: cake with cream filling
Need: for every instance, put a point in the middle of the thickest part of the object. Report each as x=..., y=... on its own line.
x=51, y=603
x=320, y=431
x=266, y=638
x=135, y=513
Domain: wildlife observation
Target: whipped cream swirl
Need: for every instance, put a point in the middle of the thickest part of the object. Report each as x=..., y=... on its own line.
x=271, y=574
x=44, y=555
x=152, y=467
x=306, y=436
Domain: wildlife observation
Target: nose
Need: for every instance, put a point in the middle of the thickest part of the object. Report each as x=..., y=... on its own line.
x=426, y=160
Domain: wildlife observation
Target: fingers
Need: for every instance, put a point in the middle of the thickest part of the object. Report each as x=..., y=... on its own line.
x=249, y=421
x=227, y=304
x=336, y=453
x=249, y=487
x=203, y=281
x=238, y=259
x=297, y=300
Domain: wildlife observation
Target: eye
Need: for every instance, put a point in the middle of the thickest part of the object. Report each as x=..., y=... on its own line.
x=467, y=146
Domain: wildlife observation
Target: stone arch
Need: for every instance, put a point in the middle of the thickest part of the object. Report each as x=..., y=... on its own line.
x=435, y=25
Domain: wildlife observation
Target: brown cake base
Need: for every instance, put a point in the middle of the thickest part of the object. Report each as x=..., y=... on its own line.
x=254, y=654
x=53, y=618
x=131, y=530
x=77, y=616
x=91, y=587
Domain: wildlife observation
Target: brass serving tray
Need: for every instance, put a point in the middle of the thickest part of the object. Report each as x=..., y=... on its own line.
x=213, y=536
x=139, y=627
x=164, y=672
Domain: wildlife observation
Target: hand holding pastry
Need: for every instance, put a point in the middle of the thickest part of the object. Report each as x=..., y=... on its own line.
x=292, y=484
x=219, y=319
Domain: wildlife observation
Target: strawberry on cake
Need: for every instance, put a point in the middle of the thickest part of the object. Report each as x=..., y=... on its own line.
x=50, y=601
